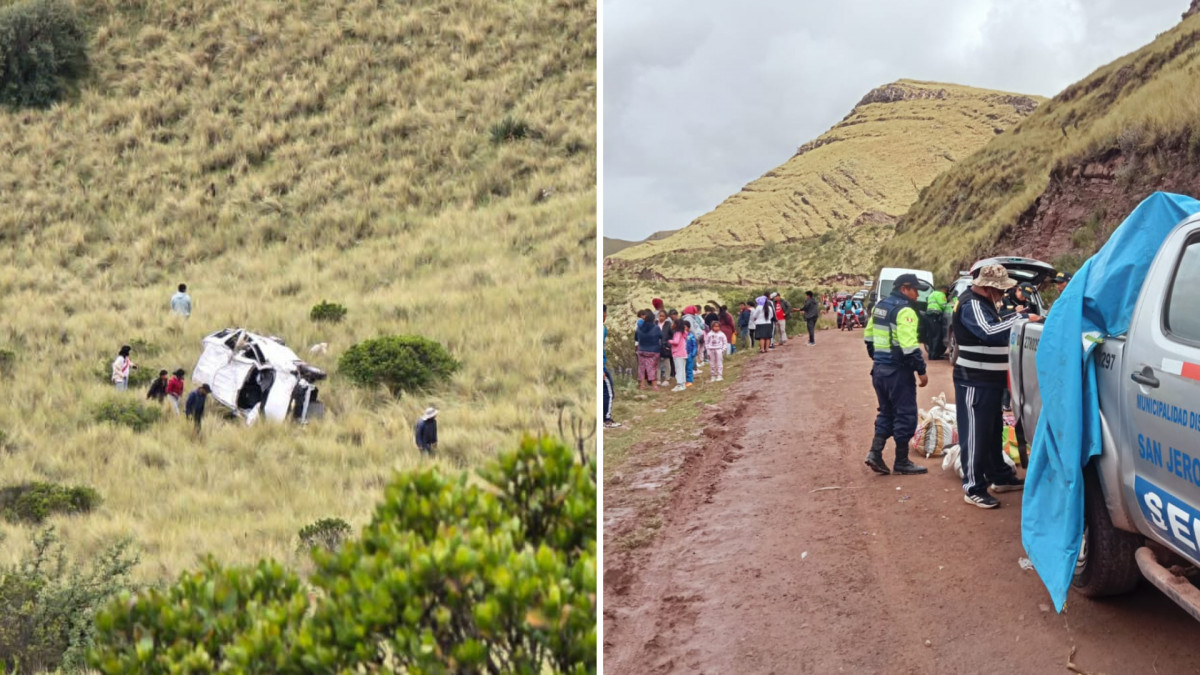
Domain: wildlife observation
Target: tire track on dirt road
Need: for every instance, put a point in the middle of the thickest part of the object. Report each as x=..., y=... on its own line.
x=755, y=570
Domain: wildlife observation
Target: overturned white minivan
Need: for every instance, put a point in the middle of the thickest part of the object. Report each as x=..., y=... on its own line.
x=254, y=375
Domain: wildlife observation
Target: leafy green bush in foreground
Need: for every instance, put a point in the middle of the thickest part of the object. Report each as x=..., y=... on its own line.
x=399, y=362
x=454, y=574
x=47, y=607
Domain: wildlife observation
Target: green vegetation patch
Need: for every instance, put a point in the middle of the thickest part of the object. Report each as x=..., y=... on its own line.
x=326, y=533
x=402, y=363
x=329, y=312
x=43, y=52
x=494, y=572
x=33, y=503
x=127, y=412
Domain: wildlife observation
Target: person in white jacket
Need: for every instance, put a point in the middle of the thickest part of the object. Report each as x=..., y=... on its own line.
x=715, y=343
x=121, y=368
x=760, y=323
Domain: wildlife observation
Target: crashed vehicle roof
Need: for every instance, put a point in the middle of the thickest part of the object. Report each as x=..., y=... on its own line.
x=230, y=358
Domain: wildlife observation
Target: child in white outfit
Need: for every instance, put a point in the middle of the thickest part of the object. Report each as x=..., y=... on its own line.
x=715, y=344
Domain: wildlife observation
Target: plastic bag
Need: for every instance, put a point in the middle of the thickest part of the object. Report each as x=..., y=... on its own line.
x=937, y=429
x=953, y=459
x=1008, y=441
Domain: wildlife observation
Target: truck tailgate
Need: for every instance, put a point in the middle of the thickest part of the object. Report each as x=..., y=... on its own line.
x=1022, y=372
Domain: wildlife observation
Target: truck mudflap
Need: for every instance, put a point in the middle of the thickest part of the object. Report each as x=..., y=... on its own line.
x=1177, y=588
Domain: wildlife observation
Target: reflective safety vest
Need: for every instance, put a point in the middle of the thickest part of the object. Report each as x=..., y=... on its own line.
x=936, y=302
x=892, y=330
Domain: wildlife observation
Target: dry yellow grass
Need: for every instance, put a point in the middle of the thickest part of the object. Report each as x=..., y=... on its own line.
x=273, y=155
x=863, y=172
x=1142, y=104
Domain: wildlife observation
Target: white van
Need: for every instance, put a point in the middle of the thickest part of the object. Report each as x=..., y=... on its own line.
x=882, y=287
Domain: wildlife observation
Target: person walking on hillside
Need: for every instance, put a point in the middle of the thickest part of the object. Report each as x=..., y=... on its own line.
x=194, y=407
x=812, y=311
x=425, y=432
x=891, y=338
x=122, y=366
x=716, y=342
x=743, y=325
x=607, y=383
x=175, y=389
x=649, y=339
x=935, y=311
x=158, y=388
x=760, y=323
x=980, y=381
x=181, y=302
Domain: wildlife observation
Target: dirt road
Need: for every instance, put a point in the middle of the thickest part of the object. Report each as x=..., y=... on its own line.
x=751, y=571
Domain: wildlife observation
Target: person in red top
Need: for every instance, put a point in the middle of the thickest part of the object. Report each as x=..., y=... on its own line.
x=175, y=389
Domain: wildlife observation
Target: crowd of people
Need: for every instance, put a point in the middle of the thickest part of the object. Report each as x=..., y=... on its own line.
x=675, y=346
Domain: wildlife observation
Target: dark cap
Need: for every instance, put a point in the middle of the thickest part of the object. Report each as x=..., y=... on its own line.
x=1028, y=289
x=178, y=372
x=911, y=280
x=1062, y=278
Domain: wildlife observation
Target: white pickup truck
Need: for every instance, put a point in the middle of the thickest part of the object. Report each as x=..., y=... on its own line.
x=1142, y=493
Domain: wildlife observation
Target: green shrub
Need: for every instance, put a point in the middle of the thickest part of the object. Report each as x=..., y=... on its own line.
x=399, y=362
x=8, y=361
x=326, y=533
x=43, y=52
x=128, y=413
x=453, y=574
x=327, y=311
x=34, y=502
x=48, y=606
x=510, y=129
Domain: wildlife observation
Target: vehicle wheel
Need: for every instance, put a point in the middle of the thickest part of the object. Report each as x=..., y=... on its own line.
x=952, y=351
x=1106, y=564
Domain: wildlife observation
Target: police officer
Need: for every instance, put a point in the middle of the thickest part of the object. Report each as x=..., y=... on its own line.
x=980, y=381
x=891, y=338
x=935, y=309
x=1061, y=280
x=1017, y=299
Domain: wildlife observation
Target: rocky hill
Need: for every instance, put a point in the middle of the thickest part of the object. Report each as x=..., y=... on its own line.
x=824, y=212
x=1054, y=186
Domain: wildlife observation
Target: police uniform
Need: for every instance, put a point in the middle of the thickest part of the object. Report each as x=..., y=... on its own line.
x=935, y=309
x=891, y=339
x=980, y=381
x=1011, y=303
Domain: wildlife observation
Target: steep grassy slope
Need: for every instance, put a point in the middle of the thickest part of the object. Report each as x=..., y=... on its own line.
x=430, y=164
x=1055, y=185
x=865, y=171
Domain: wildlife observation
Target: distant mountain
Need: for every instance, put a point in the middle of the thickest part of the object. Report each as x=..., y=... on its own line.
x=613, y=246
x=1055, y=186
x=823, y=214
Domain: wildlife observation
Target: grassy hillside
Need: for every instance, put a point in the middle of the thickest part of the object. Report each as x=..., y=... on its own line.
x=862, y=173
x=429, y=164
x=1055, y=185
x=613, y=245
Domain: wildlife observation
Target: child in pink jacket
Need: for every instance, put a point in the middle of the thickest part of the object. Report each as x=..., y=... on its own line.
x=715, y=343
x=679, y=354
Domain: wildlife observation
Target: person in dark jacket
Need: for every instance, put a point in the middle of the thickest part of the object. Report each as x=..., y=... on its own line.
x=194, y=407
x=743, y=325
x=812, y=311
x=891, y=338
x=158, y=388
x=426, y=432
x=649, y=339
x=666, y=364
x=980, y=381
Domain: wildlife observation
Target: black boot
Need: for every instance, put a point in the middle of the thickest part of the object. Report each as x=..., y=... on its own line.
x=875, y=456
x=905, y=466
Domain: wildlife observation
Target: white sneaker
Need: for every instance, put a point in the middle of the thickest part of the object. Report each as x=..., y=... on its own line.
x=720, y=378
x=712, y=379
x=679, y=387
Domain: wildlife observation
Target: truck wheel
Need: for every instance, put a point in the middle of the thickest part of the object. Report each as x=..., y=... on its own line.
x=1106, y=564
x=952, y=352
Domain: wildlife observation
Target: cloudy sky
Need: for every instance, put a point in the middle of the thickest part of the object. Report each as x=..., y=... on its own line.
x=703, y=96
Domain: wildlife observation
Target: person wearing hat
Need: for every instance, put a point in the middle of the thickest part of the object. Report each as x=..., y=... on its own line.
x=426, y=431
x=175, y=389
x=1061, y=280
x=194, y=408
x=121, y=368
x=980, y=381
x=779, y=312
x=891, y=337
x=1017, y=298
